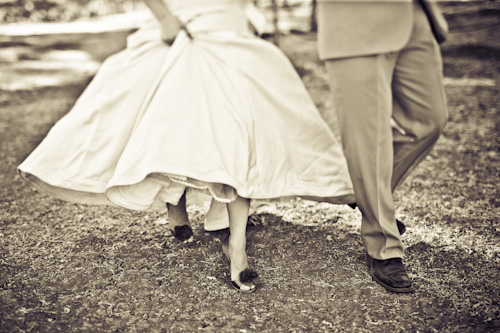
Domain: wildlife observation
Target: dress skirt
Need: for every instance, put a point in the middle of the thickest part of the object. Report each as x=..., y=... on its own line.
x=223, y=112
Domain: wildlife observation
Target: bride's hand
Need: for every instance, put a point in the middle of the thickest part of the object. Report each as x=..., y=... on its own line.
x=170, y=27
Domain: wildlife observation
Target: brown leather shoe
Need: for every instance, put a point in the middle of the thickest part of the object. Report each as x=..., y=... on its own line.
x=390, y=274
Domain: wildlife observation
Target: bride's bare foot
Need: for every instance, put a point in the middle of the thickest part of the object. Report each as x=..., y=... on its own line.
x=243, y=277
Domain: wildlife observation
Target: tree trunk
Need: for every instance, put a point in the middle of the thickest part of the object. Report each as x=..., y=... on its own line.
x=314, y=22
x=276, y=37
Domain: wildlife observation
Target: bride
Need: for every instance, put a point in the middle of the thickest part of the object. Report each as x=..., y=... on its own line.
x=219, y=110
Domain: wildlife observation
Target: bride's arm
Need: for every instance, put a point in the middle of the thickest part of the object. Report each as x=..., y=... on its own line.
x=170, y=24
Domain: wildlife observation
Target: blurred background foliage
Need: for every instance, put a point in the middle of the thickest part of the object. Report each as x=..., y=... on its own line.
x=68, y=10
x=62, y=10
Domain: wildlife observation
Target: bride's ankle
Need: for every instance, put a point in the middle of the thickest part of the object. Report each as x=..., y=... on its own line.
x=236, y=248
x=177, y=219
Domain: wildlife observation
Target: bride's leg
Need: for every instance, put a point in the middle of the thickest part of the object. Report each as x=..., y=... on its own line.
x=179, y=221
x=243, y=278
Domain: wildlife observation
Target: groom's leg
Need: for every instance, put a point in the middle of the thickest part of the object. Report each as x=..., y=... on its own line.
x=419, y=99
x=362, y=95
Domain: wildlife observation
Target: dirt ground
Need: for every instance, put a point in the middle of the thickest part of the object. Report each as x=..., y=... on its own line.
x=67, y=267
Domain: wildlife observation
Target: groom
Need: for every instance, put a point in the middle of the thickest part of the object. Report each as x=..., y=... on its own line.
x=385, y=73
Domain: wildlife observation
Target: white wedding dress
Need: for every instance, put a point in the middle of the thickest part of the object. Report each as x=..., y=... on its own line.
x=224, y=112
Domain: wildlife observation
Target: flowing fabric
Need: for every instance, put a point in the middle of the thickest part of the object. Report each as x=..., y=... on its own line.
x=223, y=112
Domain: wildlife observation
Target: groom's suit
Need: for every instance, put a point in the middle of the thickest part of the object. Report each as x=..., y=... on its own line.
x=384, y=65
x=362, y=27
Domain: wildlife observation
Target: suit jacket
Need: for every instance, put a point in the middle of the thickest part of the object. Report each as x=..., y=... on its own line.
x=348, y=28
